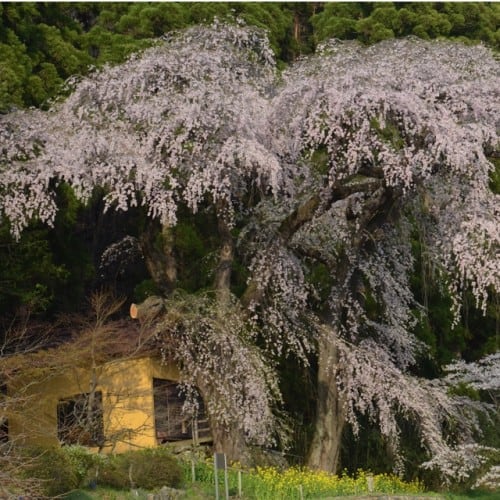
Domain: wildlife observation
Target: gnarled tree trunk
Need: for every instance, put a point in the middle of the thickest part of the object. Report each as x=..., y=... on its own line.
x=330, y=415
x=228, y=439
x=231, y=442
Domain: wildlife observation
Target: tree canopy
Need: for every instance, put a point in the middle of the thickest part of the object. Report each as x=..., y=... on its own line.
x=42, y=44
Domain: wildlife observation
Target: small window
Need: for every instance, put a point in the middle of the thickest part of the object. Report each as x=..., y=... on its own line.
x=4, y=430
x=4, y=423
x=170, y=421
x=80, y=420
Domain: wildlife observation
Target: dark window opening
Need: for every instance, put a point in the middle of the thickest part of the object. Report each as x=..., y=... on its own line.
x=170, y=421
x=4, y=430
x=4, y=423
x=80, y=420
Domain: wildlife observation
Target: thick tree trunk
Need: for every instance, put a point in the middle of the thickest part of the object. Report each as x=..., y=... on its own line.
x=160, y=259
x=330, y=415
x=158, y=250
x=222, y=282
x=228, y=439
x=296, y=27
x=231, y=442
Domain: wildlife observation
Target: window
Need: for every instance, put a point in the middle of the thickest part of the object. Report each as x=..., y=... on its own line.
x=171, y=423
x=4, y=423
x=80, y=420
x=4, y=430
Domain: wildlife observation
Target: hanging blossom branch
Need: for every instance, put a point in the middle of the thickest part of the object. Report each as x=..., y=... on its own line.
x=471, y=461
x=181, y=123
x=462, y=463
x=483, y=375
x=392, y=111
x=212, y=343
x=380, y=126
x=371, y=383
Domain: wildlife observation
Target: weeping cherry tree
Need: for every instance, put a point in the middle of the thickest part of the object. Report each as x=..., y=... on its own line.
x=328, y=168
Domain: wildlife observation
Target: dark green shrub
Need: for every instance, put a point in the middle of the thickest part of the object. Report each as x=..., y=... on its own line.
x=113, y=471
x=52, y=467
x=149, y=469
x=154, y=468
x=83, y=461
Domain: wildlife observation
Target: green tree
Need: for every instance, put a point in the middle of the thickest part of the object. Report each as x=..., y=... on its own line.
x=375, y=21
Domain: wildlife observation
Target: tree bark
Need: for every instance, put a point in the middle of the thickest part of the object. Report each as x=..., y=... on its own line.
x=296, y=27
x=325, y=448
x=149, y=309
x=379, y=205
x=222, y=281
x=228, y=439
x=231, y=442
x=158, y=250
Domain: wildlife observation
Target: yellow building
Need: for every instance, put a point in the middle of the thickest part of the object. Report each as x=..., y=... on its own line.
x=116, y=406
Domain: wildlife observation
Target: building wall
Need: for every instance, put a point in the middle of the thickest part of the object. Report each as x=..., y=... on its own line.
x=127, y=401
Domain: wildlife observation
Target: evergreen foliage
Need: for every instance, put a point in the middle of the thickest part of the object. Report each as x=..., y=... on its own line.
x=42, y=44
x=372, y=22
